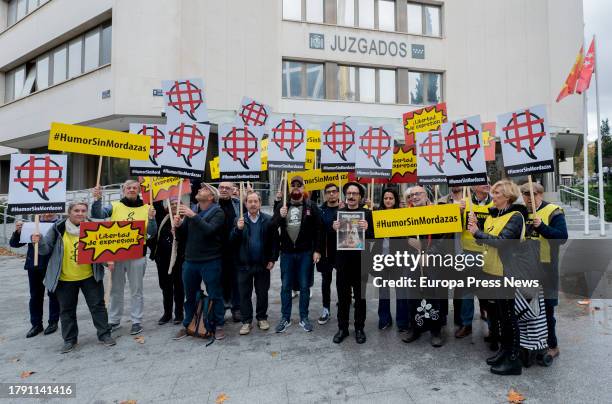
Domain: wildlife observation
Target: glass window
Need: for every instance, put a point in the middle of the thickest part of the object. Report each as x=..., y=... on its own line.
x=12, y=12
x=32, y=4
x=59, y=64
x=92, y=50
x=292, y=79
x=346, y=12
x=22, y=9
x=9, y=86
x=347, y=83
x=28, y=86
x=415, y=19
x=42, y=72
x=75, y=50
x=386, y=15
x=366, y=13
x=386, y=80
x=314, y=11
x=106, y=42
x=367, y=84
x=415, y=87
x=19, y=81
x=432, y=21
x=292, y=10
x=315, y=80
x=434, y=87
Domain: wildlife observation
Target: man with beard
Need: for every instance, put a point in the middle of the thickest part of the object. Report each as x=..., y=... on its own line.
x=129, y=208
x=349, y=276
x=300, y=245
x=229, y=275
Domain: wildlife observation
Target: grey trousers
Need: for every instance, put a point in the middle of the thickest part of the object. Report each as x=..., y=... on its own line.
x=134, y=270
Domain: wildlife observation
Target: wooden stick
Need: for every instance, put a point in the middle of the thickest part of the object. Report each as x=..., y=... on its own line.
x=435, y=194
x=533, y=207
x=99, y=171
x=285, y=185
x=241, y=196
x=37, y=231
x=178, y=202
x=469, y=190
x=372, y=194
x=151, y=191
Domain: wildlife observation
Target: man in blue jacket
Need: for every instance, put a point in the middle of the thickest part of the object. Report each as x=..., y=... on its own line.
x=36, y=275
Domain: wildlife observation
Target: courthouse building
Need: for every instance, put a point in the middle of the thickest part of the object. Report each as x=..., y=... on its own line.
x=101, y=62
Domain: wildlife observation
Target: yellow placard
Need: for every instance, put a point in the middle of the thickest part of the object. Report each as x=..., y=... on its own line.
x=264, y=154
x=316, y=179
x=310, y=159
x=404, y=162
x=432, y=219
x=215, y=173
x=313, y=139
x=100, y=142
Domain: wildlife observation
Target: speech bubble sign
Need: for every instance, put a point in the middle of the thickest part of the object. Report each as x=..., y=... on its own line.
x=524, y=126
x=432, y=150
x=288, y=135
x=110, y=241
x=39, y=174
x=187, y=140
x=240, y=143
x=462, y=142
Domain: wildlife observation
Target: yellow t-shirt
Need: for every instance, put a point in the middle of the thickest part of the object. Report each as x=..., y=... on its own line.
x=71, y=271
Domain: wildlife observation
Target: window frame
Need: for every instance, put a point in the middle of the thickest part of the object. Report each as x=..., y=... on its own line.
x=426, y=77
x=423, y=6
x=377, y=83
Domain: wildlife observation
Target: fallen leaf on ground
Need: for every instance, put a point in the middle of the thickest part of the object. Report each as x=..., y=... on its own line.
x=128, y=402
x=514, y=397
x=274, y=354
x=584, y=302
x=26, y=373
x=221, y=398
x=14, y=360
x=139, y=339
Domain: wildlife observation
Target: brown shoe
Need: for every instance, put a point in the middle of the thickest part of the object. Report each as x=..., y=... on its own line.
x=219, y=333
x=553, y=352
x=463, y=331
x=182, y=333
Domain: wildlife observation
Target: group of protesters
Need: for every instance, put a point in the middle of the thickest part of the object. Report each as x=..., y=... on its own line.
x=210, y=241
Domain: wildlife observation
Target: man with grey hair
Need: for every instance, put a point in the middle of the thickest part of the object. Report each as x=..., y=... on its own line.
x=130, y=208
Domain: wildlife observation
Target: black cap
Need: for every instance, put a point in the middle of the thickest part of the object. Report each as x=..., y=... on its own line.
x=358, y=185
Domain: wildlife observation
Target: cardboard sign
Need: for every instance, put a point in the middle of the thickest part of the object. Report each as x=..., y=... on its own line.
x=100, y=142
x=185, y=101
x=464, y=162
x=430, y=158
x=311, y=156
x=488, y=140
x=37, y=184
x=214, y=168
x=157, y=144
x=186, y=149
x=313, y=139
x=423, y=120
x=404, y=165
x=338, y=150
x=239, y=152
x=28, y=229
x=525, y=141
x=431, y=219
x=110, y=241
x=374, y=157
x=316, y=179
x=287, y=143
x=264, y=154
x=252, y=113
x=163, y=187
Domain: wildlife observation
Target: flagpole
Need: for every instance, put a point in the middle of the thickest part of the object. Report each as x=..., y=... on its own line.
x=602, y=224
x=585, y=164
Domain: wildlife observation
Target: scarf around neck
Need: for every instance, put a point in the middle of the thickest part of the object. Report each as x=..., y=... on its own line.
x=72, y=228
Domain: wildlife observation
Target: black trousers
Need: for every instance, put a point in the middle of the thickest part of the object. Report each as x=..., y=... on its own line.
x=349, y=279
x=229, y=280
x=68, y=295
x=326, y=280
x=508, y=325
x=37, y=298
x=551, y=322
x=258, y=277
x=171, y=284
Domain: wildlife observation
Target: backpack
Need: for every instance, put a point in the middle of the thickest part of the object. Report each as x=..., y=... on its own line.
x=202, y=325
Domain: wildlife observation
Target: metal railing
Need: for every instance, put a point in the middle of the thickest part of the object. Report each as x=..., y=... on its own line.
x=570, y=195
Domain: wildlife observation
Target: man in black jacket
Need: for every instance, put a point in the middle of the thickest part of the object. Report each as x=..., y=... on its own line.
x=329, y=213
x=256, y=238
x=300, y=245
x=349, y=276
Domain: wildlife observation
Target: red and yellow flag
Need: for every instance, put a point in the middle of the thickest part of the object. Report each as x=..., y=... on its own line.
x=572, y=78
x=586, y=72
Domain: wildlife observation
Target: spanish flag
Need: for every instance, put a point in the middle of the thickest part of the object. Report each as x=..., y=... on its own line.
x=570, y=83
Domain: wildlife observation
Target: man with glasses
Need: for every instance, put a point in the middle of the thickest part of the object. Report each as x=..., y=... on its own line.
x=300, y=245
x=549, y=226
x=229, y=275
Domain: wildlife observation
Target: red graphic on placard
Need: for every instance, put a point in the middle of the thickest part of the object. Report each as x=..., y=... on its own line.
x=240, y=144
x=254, y=114
x=375, y=143
x=90, y=249
x=339, y=137
x=187, y=139
x=39, y=178
x=432, y=150
x=156, y=136
x=527, y=127
x=465, y=142
x=288, y=133
x=185, y=97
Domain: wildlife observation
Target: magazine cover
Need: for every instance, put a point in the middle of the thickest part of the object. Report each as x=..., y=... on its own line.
x=350, y=236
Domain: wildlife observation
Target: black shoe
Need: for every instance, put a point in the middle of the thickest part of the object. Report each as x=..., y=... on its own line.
x=360, y=336
x=236, y=317
x=164, y=319
x=340, y=336
x=510, y=365
x=384, y=326
x=51, y=328
x=68, y=346
x=34, y=331
x=136, y=329
x=178, y=320
x=411, y=336
x=497, y=358
x=107, y=340
x=436, y=339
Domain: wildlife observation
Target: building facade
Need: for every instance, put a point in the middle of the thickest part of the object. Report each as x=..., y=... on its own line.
x=101, y=62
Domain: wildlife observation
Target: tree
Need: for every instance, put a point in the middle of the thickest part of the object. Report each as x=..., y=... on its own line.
x=606, y=145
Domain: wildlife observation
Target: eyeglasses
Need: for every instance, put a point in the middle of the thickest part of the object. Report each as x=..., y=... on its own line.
x=352, y=193
x=331, y=191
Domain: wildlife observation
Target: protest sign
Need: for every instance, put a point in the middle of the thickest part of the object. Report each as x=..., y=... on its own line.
x=37, y=184
x=186, y=149
x=185, y=101
x=157, y=139
x=488, y=140
x=162, y=188
x=316, y=179
x=100, y=142
x=374, y=156
x=214, y=168
x=29, y=228
x=431, y=219
x=252, y=113
x=287, y=143
x=313, y=139
x=525, y=141
x=338, y=146
x=464, y=162
x=430, y=158
x=349, y=236
x=423, y=120
x=110, y=241
x=239, y=152
x=311, y=156
x=264, y=154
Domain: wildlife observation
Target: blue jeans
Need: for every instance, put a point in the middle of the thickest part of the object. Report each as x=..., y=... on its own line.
x=295, y=266
x=194, y=272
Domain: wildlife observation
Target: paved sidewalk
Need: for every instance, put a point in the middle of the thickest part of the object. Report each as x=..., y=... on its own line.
x=295, y=366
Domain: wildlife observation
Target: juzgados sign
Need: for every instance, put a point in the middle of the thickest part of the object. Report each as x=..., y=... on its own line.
x=367, y=46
